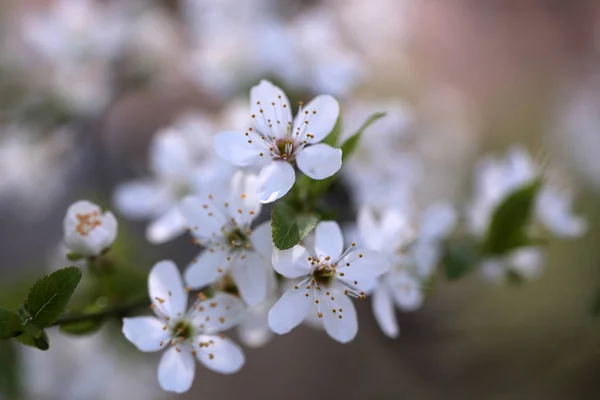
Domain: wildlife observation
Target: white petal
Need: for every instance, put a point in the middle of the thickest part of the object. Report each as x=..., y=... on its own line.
x=320, y=124
x=244, y=205
x=319, y=161
x=342, y=329
x=426, y=256
x=438, y=222
x=406, y=290
x=166, y=227
x=109, y=222
x=170, y=154
x=219, y=313
x=166, y=289
x=274, y=181
x=363, y=270
x=176, y=370
x=555, y=212
x=292, y=263
x=219, y=354
x=369, y=229
x=254, y=330
x=493, y=270
x=290, y=310
x=262, y=241
x=202, y=217
x=141, y=199
x=251, y=276
x=95, y=239
x=146, y=333
x=234, y=147
x=276, y=113
x=396, y=228
x=210, y=266
x=383, y=309
x=527, y=262
x=328, y=239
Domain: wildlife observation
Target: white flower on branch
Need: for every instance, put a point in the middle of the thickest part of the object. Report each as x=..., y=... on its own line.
x=185, y=335
x=326, y=278
x=87, y=230
x=282, y=142
x=221, y=223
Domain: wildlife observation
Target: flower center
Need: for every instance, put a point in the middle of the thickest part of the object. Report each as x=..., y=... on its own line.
x=88, y=222
x=237, y=239
x=324, y=275
x=286, y=148
x=182, y=330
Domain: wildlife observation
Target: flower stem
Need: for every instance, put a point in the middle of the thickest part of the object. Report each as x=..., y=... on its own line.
x=116, y=312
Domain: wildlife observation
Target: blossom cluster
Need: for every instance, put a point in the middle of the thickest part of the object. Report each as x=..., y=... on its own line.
x=243, y=279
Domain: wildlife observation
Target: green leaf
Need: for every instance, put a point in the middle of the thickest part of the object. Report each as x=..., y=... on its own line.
x=460, y=258
x=72, y=256
x=334, y=136
x=28, y=340
x=10, y=324
x=352, y=142
x=48, y=298
x=508, y=227
x=289, y=227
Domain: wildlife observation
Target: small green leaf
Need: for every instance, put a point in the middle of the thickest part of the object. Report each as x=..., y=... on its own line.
x=28, y=340
x=508, y=226
x=460, y=258
x=352, y=142
x=289, y=227
x=10, y=324
x=72, y=256
x=334, y=136
x=48, y=298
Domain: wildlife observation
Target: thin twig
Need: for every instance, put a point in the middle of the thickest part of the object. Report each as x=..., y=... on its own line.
x=99, y=315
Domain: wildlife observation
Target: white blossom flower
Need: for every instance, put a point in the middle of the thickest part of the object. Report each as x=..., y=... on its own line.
x=181, y=164
x=87, y=230
x=524, y=262
x=327, y=277
x=281, y=142
x=497, y=179
x=185, y=335
x=411, y=255
x=221, y=224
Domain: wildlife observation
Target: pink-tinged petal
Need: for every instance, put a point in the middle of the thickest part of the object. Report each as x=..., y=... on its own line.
x=146, y=333
x=166, y=227
x=385, y=314
x=274, y=181
x=328, y=240
x=235, y=148
x=319, y=161
x=219, y=354
x=270, y=109
x=290, y=310
x=176, y=370
x=292, y=263
x=341, y=324
x=210, y=266
x=166, y=289
x=251, y=275
x=323, y=112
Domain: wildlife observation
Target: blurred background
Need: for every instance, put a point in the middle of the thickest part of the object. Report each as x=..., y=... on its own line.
x=86, y=84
